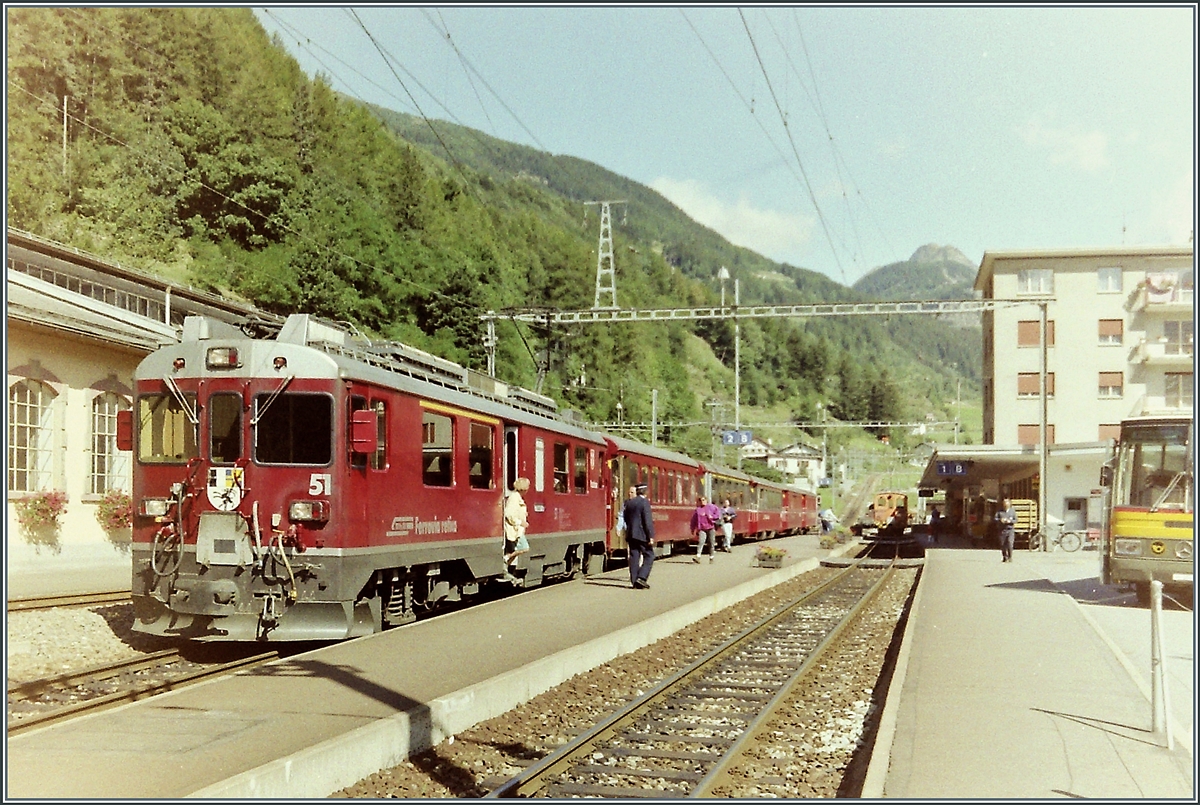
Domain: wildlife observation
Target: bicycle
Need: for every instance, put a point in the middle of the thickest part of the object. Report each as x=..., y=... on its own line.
x=1069, y=541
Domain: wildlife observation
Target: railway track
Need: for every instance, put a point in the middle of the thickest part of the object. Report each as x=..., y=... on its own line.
x=44, y=701
x=70, y=600
x=690, y=734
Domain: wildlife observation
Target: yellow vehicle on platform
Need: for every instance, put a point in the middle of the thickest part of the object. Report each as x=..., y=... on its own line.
x=1149, y=530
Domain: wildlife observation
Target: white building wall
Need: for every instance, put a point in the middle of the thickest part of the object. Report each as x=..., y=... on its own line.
x=1077, y=410
x=79, y=555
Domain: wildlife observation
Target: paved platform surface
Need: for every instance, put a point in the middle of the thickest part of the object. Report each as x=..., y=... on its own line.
x=314, y=723
x=1031, y=680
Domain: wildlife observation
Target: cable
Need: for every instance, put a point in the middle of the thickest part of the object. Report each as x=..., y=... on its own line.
x=783, y=117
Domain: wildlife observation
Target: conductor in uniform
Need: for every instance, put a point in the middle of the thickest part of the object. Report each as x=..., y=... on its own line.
x=639, y=536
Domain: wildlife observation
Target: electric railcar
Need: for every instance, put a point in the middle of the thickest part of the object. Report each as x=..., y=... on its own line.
x=312, y=488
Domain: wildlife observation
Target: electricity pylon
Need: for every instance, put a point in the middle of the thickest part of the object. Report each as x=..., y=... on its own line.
x=606, y=268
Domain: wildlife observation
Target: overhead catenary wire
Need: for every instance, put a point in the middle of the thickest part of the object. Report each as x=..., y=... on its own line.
x=808, y=185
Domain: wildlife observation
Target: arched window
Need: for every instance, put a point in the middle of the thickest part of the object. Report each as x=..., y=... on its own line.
x=110, y=466
x=30, y=436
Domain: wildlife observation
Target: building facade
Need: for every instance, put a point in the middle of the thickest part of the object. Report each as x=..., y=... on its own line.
x=1119, y=336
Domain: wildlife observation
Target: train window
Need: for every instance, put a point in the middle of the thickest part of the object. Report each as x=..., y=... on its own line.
x=580, y=470
x=654, y=490
x=437, y=449
x=562, y=453
x=225, y=428
x=379, y=457
x=293, y=429
x=539, y=465
x=480, y=459
x=165, y=431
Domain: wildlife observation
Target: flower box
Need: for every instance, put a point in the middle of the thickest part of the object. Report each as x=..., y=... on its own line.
x=770, y=561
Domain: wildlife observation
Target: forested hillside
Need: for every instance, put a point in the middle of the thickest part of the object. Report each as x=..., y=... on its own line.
x=196, y=148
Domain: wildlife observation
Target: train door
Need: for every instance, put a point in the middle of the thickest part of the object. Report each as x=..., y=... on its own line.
x=511, y=464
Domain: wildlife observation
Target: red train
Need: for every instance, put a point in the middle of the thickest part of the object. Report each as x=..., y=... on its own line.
x=279, y=494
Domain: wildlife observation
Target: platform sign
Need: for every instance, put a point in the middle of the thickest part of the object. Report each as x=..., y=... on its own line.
x=737, y=436
x=951, y=468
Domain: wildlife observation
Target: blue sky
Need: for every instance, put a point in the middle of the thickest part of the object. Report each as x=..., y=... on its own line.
x=987, y=129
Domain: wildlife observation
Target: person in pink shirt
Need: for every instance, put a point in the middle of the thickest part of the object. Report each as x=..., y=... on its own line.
x=704, y=527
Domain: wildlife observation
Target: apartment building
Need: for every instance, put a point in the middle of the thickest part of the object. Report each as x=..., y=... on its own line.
x=1119, y=336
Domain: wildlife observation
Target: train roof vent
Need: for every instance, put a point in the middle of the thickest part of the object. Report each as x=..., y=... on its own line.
x=303, y=329
x=430, y=365
x=203, y=328
x=524, y=398
x=573, y=416
x=486, y=384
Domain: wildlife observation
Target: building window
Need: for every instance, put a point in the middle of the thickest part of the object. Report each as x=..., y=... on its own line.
x=1178, y=335
x=1108, y=431
x=1108, y=280
x=1112, y=384
x=30, y=436
x=1031, y=434
x=1112, y=331
x=1029, y=333
x=1179, y=389
x=110, y=466
x=1029, y=384
x=1035, y=281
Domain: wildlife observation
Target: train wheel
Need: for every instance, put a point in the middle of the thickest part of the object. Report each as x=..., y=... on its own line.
x=1070, y=541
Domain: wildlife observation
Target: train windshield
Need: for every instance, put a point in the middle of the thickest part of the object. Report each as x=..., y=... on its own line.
x=166, y=428
x=293, y=429
x=1153, y=467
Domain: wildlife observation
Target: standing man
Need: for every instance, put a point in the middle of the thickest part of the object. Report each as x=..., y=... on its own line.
x=639, y=537
x=1006, y=523
x=704, y=526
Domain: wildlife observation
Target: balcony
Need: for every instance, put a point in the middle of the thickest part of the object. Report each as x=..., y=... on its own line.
x=1160, y=352
x=1164, y=293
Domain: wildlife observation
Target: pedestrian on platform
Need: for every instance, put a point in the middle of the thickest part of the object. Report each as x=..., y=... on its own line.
x=727, y=515
x=828, y=519
x=1006, y=528
x=935, y=523
x=705, y=519
x=639, y=537
x=516, y=520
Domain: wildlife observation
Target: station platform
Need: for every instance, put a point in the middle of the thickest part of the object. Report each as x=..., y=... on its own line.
x=314, y=723
x=1029, y=679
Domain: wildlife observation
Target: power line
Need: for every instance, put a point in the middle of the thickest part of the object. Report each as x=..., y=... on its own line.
x=812, y=196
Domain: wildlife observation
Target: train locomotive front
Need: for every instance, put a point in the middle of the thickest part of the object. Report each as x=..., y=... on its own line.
x=286, y=492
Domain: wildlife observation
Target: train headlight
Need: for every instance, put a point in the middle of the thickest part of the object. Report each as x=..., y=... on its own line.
x=154, y=507
x=1127, y=547
x=222, y=358
x=308, y=511
x=1183, y=550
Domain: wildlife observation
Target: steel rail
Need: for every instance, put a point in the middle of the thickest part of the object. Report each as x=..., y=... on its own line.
x=719, y=774
x=68, y=600
x=534, y=779
x=121, y=697
x=27, y=690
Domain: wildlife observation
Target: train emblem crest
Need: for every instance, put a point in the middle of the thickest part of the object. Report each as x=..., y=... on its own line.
x=225, y=487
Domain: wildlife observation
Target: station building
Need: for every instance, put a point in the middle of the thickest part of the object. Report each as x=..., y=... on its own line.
x=1118, y=328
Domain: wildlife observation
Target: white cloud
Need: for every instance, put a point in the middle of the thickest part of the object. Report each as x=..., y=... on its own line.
x=1087, y=150
x=1173, y=218
x=778, y=235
